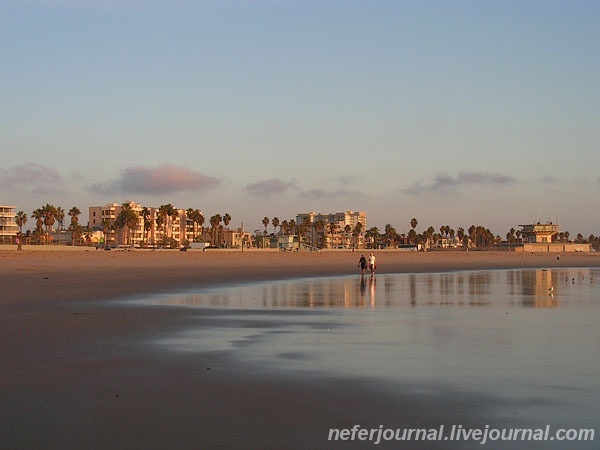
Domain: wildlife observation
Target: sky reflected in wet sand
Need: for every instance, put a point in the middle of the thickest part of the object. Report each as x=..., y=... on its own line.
x=530, y=337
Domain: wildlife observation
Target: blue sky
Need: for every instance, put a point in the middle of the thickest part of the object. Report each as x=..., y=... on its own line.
x=453, y=112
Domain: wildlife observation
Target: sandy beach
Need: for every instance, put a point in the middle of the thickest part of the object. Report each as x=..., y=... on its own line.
x=75, y=372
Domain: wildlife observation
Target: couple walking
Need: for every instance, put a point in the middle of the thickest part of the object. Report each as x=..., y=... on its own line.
x=371, y=265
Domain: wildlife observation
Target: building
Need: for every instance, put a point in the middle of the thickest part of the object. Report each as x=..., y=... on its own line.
x=153, y=229
x=334, y=230
x=539, y=232
x=8, y=226
x=542, y=237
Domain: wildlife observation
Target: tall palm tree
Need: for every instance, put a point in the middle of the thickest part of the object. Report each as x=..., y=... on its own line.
x=275, y=223
x=332, y=228
x=146, y=215
x=60, y=218
x=356, y=233
x=348, y=231
x=20, y=220
x=49, y=212
x=199, y=219
x=265, y=222
x=38, y=215
x=226, y=219
x=166, y=213
x=413, y=223
x=127, y=220
x=215, y=221
x=74, y=213
x=390, y=233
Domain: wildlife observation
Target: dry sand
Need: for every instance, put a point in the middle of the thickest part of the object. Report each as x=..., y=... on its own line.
x=76, y=373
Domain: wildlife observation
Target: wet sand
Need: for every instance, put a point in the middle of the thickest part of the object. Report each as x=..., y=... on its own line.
x=76, y=371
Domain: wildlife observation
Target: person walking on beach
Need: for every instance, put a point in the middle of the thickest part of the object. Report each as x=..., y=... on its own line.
x=372, y=263
x=362, y=263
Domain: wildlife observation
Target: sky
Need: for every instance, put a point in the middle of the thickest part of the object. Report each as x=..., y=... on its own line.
x=456, y=113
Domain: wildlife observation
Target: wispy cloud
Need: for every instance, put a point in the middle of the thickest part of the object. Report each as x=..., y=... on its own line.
x=444, y=182
x=163, y=179
x=324, y=193
x=36, y=178
x=549, y=180
x=266, y=188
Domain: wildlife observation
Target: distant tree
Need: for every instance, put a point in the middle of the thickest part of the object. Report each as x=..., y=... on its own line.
x=390, y=234
x=127, y=220
x=266, y=222
x=20, y=220
x=74, y=213
x=356, y=233
x=59, y=215
x=275, y=223
x=226, y=219
x=413, y=223
x=215, y=222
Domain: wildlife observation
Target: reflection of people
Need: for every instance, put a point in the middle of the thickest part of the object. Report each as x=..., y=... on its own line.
x=362, y=263
x=372, y=291
x=372, y=263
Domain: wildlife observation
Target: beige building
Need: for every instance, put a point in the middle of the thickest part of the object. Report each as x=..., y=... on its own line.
x=176, y=229
x=8, y=227
x=333, y=234
x=541, y=237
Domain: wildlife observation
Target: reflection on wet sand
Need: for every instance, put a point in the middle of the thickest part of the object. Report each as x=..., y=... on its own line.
x=539, y=288
x=525, y=337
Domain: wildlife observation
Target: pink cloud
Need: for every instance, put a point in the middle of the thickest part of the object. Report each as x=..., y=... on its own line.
x=30, y=175
x=163, y=179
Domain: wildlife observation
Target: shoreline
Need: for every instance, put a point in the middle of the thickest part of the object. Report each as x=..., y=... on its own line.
x=78, y=371
x=89, y=274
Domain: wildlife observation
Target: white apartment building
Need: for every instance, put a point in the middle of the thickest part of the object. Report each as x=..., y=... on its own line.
x=177, y=227
x=336, y=236
x=8, y=227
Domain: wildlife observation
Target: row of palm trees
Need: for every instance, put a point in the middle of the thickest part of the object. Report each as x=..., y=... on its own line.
x=48, y=215
x=128, y=219
x=476, y=235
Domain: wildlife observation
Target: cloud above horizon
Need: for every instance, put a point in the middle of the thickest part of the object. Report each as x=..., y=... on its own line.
x=34, y=177
x=324, y=193
x=163, y=179
x=443, y=182
x=266, y=188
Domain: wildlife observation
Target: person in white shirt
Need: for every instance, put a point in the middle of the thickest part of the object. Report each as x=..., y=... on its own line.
x=372, y=263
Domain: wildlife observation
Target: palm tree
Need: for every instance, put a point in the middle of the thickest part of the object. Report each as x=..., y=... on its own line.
x=166, y=213
x=373, y=235
x=285, y=227
x=74, y=213
x=390, y=233
x=127, y=220
x=107, y=227
x=265, y=222
x=60, y=218
x=214, y=223
x=20, y=220
x=38, y=215
x=199, y=219
x=356, y=233
x=226, y=219
x=413, y=223
x=49, y=213
x=275, y=223
x=147, y=219
x=332, y=227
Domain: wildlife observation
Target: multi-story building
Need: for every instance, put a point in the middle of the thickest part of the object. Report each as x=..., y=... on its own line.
x=153, y=230
x=336, y=230
x=8, y=227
